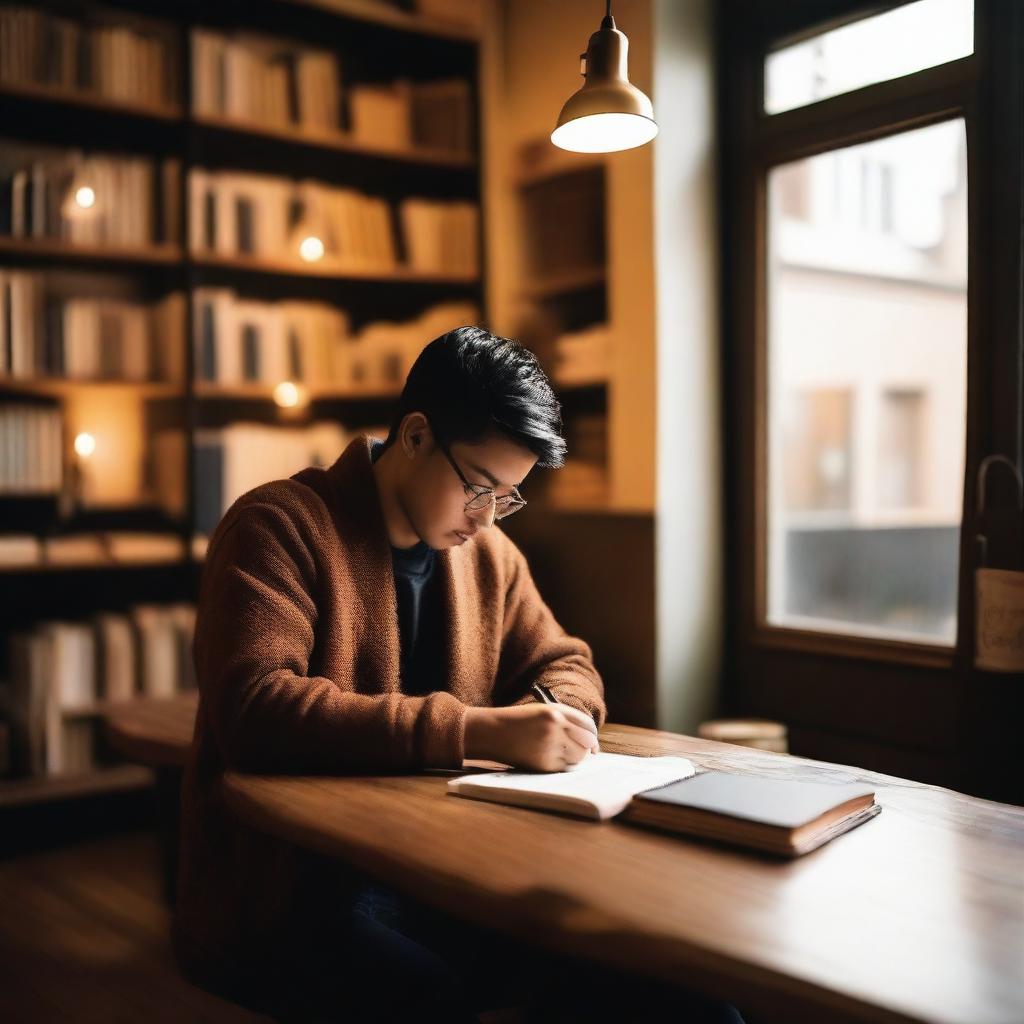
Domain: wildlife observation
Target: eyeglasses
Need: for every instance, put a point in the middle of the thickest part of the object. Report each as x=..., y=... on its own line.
x=483, y=497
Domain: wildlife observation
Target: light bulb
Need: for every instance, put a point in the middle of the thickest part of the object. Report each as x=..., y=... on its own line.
x=85, y=197
x=85, y=444
x=311, y=249
x=288, y=395
x=604, y=133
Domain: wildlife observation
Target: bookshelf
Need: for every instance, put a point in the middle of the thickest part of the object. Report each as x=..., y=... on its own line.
x=165, y=410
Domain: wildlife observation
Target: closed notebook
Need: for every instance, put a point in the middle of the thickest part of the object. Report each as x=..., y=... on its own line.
x=781, y=816
x=597, y=787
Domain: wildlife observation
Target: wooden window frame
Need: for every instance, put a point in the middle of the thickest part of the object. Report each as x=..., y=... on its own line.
x=908, y=708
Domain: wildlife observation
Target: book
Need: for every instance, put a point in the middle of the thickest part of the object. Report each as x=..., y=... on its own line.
x=781, y=816
x=598, y=787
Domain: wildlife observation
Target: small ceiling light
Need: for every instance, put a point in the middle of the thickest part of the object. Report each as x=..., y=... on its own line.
x=288, y=395
x=85, y=444
x=607, y=114
x=311, y=249
x=85, y=197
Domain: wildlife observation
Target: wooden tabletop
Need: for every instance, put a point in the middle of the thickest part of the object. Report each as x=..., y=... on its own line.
x=153, y=731
x=918, y=915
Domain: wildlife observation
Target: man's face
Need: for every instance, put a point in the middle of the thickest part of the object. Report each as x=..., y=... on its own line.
x=434, y=498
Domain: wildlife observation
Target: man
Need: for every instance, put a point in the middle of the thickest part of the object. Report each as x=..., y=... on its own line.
x=369, y=617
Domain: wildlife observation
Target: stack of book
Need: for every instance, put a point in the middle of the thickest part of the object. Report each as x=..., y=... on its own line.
x=232, y=460
x=116, y=61
x=433, y=115
x=582, y=356
x=65, y=195
x=265, y=81
x=59, y=671
x=44, y=333
x=234, y=214
x=90, y=549
x=31, y=449
x=241, y=341
x=379, y=356
x=252, y=342
x=440, y=236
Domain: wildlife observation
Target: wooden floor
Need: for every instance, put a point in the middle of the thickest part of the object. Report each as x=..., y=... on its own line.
x=84, y=937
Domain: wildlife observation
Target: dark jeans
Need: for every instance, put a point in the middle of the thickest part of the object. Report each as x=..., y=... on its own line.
x=391, y=958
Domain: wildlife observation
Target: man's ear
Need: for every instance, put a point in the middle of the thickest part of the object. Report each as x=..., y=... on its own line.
x=416, y=436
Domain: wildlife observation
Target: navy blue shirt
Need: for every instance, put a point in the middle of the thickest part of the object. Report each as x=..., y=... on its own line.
x=419, y=618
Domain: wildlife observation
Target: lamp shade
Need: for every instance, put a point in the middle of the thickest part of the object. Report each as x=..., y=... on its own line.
x=607, y=114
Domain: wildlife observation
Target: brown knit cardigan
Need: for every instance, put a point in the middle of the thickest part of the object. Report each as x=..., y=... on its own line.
x=297, y=657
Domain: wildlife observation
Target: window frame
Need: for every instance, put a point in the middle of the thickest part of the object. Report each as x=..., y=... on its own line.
x=912, y=698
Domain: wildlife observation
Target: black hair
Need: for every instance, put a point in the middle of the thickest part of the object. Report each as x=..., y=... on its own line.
x=469, y=381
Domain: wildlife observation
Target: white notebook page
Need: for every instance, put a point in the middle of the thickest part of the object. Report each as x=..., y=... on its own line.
x=599, y=786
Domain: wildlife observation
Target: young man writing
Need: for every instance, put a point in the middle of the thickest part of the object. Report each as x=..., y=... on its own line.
x=361, y=618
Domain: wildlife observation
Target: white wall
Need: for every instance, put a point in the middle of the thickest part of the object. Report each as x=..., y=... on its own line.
x=689, y=513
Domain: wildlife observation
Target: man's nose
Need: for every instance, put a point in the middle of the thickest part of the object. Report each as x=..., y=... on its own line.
x=487, y=515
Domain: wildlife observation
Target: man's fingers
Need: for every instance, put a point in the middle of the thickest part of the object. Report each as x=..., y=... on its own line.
x=581, y=737
x=579, y=718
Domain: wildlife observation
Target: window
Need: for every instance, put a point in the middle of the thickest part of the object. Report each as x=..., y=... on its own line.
x=872, y=281
x=910, y=38
x=867, y=356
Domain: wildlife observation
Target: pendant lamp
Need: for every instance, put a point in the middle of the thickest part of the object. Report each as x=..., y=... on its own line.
x=607, y=114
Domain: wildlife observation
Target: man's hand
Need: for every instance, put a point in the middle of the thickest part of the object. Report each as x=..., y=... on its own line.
x=541, y=737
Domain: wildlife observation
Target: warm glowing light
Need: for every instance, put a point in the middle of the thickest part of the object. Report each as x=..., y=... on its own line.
x=85, y=197
x=289, y=395
x=85, y=444
x=604, y=133
x=311, y=249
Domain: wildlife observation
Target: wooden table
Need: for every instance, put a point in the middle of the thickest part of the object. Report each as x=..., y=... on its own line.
x=153, y=731
x=917, y=915
x=157, y=732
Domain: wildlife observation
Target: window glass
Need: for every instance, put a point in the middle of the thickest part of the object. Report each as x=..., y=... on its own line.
x=899, y=42
x=867, y=381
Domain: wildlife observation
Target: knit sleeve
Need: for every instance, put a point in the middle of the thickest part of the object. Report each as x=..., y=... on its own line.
x=255, y=632
x=535, y=648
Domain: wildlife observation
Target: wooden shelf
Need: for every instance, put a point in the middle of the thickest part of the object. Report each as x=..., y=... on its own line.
x=261, y=392
x=64, y=385
x=378, y=12
x=152, y=255
x=119, y=778
x=566, y=283
x=89, y=101
x=325, y=268
x=336, y=142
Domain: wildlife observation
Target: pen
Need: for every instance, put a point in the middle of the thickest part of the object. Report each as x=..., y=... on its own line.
x=545, y=695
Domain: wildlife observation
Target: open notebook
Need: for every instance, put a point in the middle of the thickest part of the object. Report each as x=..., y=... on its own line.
x=600, y=786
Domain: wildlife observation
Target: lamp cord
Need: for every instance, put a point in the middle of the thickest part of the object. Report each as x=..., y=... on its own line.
x=607, y=8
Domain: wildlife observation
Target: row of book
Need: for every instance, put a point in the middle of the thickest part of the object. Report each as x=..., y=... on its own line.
x=109, y=547
x=68, y=196
x=232, y=460
x=404, y=114
x=265, y=81
x=59, y=672
x=582, y=356
x=240, y=341
x=31, y=449
x=241, y=214
x=113, y=61
x=46, y=333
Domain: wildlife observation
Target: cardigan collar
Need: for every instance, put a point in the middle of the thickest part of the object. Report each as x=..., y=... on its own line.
x=359, y=516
